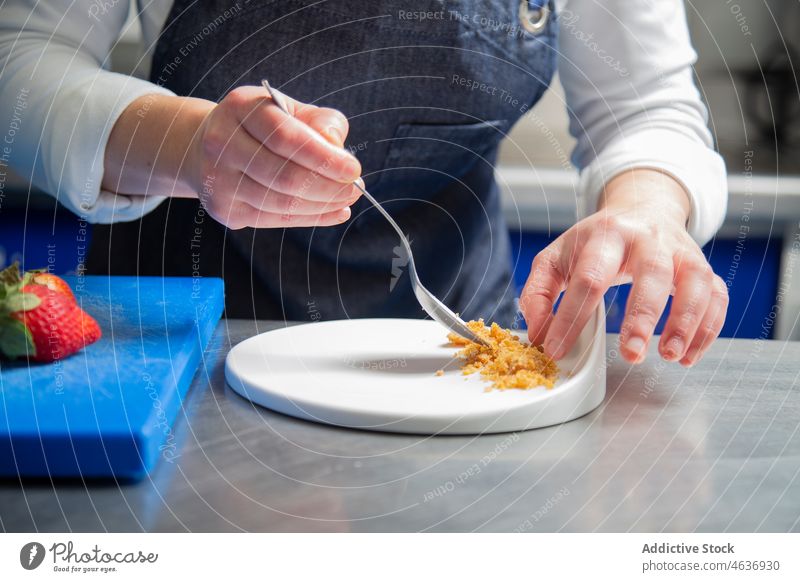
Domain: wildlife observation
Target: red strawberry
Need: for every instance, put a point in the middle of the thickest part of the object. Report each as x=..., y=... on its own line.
x=41, y=323
x=90, y=329
x=53, y=282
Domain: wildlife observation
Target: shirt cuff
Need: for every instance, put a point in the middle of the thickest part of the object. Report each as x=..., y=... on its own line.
x=698, y=168
x=83, y=124
x=108, y=207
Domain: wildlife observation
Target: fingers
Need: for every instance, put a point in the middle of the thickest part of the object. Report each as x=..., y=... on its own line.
x=331, y=123
x=273, y=172
x=693, y=283
x=238, y=215
x=237, y=201
x=247, y=190
x=270, y=220
x=541, y=290
x=697, y=314
x=653, y=273
x=291, y=137
x=710, y=326
x=596, y=268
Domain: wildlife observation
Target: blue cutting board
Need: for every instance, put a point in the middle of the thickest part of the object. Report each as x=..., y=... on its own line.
x=108, y=410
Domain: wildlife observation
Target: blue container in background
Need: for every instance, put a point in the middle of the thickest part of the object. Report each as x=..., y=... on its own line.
x=56, y=240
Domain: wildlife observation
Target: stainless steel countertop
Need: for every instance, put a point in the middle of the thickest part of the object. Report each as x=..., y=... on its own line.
x=715, y=448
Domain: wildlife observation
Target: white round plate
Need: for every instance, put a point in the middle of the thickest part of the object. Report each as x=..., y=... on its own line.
x=380, y=374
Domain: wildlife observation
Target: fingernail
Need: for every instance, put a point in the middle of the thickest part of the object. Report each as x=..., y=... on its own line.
x=690, y=359
x=636, y=345
x=344, y=214
x=674, y=349
x=552, y=349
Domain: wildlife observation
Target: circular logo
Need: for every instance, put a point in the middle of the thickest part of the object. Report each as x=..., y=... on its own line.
x=31, y=555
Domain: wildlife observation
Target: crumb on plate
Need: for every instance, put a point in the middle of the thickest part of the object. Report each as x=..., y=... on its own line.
x=440, y=372
x=505, y=361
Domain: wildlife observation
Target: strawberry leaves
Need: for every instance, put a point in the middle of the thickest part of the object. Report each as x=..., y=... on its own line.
x=11, y=275
x=15, y=339
x=12, y=298
x=21, y=302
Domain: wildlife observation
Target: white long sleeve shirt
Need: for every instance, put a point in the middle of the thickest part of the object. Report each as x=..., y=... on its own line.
x=626, y=68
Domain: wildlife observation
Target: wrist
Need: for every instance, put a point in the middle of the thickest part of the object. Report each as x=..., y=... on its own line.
x=193, y=115
x=149, y=150
x=647, y=190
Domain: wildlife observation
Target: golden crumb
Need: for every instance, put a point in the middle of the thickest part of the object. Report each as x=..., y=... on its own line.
x=505, y=361
x=440, y=372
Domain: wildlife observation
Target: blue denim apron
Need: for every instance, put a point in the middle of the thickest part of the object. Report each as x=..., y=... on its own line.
x=430, y=88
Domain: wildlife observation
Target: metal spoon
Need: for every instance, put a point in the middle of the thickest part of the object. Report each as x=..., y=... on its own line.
x=429, y=302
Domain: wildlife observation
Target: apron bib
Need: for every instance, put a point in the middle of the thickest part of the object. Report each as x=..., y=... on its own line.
x=429, y=87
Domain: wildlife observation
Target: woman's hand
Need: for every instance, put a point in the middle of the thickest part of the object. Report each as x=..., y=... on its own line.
x=639, y=234
x=250, y=164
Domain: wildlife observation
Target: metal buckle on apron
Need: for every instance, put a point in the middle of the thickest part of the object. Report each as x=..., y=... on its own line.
x=533, y=15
